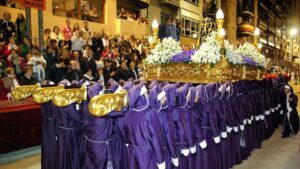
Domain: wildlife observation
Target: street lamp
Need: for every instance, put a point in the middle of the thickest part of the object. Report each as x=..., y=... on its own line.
x=220, y=30
x=220, y=19
x=221, y=35
x=155, y=30
x=151, y=40
x=256, y=37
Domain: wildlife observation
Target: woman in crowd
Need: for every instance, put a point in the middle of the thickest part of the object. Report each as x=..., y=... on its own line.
x=50, y=59
x=10, y=47
x=62, y=45
x=38, y=63
x=76, y=28
x=16, y=62
x=20, y=27
x=27, y=78
x=8, y=83
x=88, y=75
x=94, y=14
x=77, y=42
x=84, y=13
x=73, y=74
x=47, y=38
x=56, y=34
x=25, y=47
x=7, y=28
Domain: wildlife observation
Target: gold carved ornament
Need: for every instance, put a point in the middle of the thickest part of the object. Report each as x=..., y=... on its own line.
x=43, y=95
x=66, y=97
x=102, y=105
x=23, y=92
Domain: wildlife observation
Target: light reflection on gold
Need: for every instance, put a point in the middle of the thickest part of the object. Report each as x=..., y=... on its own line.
x=102, y=105
x=23, y=92
x=66, y=97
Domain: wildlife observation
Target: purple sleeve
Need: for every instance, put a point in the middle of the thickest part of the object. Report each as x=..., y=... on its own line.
x=214, y=123
x=169, y=131
x=156, y=136
x=197, y=127
x=222, y=117
x=188, y=128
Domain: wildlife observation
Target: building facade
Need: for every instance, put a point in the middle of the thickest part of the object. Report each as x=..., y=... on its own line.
x=273, y=17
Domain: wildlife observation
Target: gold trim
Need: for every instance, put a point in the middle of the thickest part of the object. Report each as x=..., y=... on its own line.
x=101, y=105
x=23, y=92
x=66, y=97
x=43, y=95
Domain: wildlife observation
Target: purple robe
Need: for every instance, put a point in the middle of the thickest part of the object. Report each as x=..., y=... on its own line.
x=184, y=127
x=100, y=152
x=212, y=154
x=143, y=133
x=69, y=136
x=49, y=144
x=168, y=127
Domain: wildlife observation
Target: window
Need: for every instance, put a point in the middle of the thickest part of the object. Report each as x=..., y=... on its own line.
x=11, y=4
x=88, y=10
x=195, y=2
x=189, y=27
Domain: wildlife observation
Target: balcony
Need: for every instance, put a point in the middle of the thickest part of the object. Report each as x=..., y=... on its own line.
x=170, y=2
x=131, y=27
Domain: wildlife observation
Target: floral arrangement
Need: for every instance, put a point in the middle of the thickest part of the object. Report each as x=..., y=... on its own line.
x=184, y=56
x=209, y=51
x=163, y=51
x=231, y=55
x=251, y=56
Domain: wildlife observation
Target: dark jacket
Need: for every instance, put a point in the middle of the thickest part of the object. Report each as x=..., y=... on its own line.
x=73, y=75
x=4, y=29
x=56, y=74
x=85, y=63
x=123, y=74
x=25, y=81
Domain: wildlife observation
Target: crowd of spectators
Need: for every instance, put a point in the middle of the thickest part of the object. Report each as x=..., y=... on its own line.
x=69, y=52
x=126, y=15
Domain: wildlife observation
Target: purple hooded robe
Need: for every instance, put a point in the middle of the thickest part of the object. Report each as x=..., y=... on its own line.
x=142, y=132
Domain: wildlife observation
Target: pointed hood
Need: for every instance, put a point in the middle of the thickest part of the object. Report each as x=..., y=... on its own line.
x=224, y=91
x=194, y=92
x=136, y=97
x=201, y=92
x=181, y=95
x=94, y=90
x=153, y=98
x=128, y=85
x=113, y=85
x=152, y=84
x=210, y=90
x=170, y=90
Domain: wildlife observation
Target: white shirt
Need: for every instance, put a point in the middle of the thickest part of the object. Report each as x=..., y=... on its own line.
x=105, y=42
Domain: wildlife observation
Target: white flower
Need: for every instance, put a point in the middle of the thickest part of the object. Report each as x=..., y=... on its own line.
x=248, y=50
x=209, y=51
x=232, y=56
x=163, y=51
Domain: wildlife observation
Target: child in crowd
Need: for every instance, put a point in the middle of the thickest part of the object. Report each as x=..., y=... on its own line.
x=38, y=64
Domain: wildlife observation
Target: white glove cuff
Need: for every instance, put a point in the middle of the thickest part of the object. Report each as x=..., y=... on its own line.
x=193, y=149
x=224, y=134
x=162, y=165
x=175, y=161
x=203, y=144
x=217, y=139
x=185, y=152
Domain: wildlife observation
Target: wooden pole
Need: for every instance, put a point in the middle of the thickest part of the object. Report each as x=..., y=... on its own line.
x=28, y=22
x=41, y=29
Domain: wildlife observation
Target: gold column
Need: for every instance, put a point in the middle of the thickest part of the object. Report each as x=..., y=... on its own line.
x=255, y=5
x=229, y=8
